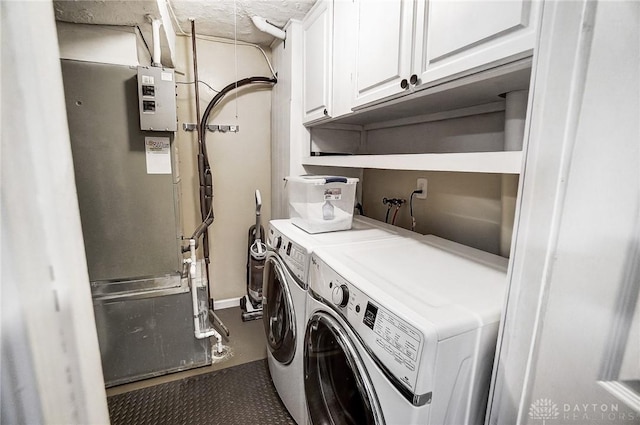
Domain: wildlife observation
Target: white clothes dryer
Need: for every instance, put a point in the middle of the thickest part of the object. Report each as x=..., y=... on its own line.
x=284, y=297
x=401, y=332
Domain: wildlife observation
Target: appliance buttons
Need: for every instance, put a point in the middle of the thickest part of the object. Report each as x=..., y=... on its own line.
x=410, y=365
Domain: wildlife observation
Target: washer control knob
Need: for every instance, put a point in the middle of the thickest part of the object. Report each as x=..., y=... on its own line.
x=278, y=242
x=340, y=295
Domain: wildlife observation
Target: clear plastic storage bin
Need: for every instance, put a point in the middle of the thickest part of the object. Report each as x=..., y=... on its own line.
x=321, y=203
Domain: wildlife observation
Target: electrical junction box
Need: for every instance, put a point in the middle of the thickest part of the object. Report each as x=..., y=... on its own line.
x=157, y=99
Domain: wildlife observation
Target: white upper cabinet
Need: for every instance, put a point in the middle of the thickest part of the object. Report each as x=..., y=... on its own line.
x=317, y=28
x=454, y=37
x=407, y=45
x=383, y=50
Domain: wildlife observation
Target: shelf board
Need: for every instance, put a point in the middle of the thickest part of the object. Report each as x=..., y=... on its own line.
x=468, y=162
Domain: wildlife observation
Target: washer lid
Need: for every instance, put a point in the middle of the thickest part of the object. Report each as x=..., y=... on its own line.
x=423, y=282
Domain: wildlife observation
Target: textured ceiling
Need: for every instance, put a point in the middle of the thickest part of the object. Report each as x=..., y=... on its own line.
x=212, y=17
x=112, y=12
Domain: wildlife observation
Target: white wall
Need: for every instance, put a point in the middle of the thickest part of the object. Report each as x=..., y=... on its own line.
x=115, y=45
x=241, y=162
x=280, y=127
x=463, y=207
x=475, y=133
x=288, y=134
x=51, y=371
x=575, y=275
x=595, y=256
x=103, y=44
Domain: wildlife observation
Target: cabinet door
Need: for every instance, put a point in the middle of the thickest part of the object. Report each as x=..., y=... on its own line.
x=383, y=50
x=453, y=37
x=318, y=59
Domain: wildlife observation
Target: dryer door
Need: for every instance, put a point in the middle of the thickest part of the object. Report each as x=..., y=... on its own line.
x=336, y=384
x=278, y=314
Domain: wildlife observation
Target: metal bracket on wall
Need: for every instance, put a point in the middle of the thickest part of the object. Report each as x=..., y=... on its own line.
x=213, y=128
x=223, y=128
x=188, y=126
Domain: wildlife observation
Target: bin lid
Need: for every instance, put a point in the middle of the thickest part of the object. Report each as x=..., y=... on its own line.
x=315, y=179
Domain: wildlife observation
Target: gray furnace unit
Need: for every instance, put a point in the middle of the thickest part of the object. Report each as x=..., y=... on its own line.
x=128, y=196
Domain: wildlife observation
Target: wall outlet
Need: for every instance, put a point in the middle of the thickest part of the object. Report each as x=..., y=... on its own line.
x=421, y=184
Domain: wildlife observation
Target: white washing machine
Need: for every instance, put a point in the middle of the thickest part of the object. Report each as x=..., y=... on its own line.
x=284, y=297
x=401, y=332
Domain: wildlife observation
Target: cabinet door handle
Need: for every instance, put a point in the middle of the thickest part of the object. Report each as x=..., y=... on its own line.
x=414, y=80
x=404, y=84
x=325, y=112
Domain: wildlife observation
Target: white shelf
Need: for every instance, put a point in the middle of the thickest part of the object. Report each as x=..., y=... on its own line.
x=468, y=162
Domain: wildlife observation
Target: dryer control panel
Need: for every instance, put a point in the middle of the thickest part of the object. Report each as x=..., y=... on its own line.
x=393, y=334
x=294, y=256
x=395, y=343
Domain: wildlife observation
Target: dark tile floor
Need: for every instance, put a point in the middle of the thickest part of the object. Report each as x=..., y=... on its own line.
x=238, y=395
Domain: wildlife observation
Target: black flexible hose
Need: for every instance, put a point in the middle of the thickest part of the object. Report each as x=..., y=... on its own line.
x=386, y=217
x=200, y=230
x=218, y=97
x=204, y=169
x=413, y=219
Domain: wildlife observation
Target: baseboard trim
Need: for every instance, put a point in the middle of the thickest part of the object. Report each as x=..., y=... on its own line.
x=226, y=303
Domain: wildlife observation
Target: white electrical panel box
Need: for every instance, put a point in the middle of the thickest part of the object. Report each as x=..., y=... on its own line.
x=157, y=99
